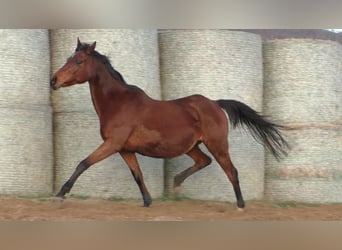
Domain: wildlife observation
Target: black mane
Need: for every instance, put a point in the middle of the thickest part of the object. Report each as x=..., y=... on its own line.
x=105, y=60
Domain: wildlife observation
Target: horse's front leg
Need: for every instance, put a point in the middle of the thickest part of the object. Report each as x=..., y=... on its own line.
x=132, y=162
x=103, y=151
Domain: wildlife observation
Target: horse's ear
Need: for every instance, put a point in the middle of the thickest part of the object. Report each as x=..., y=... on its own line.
x=91, y=48
x=78, y=43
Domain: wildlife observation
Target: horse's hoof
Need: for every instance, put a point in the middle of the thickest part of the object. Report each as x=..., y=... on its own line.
x=176, y=190
x=147, y=202
x=240, y=209
x=57, y=200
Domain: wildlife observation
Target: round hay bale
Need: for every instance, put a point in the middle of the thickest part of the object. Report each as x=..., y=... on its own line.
x=26, y=155
x=214, y=63
x=220, y=65
x=312, y=171
x=76, y=136
x=303, y=91
x=134, y=53
x=24, y=67
x=303, y=80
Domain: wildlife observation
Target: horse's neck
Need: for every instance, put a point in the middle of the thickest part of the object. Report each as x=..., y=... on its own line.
x=105, y=91
x=109, y=94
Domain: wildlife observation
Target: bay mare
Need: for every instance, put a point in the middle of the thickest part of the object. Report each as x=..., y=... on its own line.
x=132, y=122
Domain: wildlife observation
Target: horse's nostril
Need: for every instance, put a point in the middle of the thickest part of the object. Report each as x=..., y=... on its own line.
x=53, y=82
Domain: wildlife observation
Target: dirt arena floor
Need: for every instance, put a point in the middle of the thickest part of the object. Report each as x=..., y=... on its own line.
x=76, y=209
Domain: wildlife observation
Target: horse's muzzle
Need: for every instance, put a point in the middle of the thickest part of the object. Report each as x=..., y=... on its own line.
x=53, y=82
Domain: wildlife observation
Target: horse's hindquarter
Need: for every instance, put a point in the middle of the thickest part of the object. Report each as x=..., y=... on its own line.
x=165, y=129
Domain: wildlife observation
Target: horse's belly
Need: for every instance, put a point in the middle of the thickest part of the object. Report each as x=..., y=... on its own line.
x=155, y=144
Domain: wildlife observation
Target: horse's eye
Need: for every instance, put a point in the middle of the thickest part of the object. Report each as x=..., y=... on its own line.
x=78, y=61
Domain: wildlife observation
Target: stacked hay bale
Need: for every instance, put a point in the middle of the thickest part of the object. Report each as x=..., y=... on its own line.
x=220, y=65
x=26, y=155
x=134, y=53
x=303, y=90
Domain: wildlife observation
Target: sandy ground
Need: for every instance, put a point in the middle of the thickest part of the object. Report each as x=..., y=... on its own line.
x=71, y=209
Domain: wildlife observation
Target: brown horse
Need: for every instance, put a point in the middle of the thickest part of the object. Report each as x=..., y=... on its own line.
x=132, y=122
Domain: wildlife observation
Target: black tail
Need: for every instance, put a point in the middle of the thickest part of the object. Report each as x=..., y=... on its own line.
x=264, y=132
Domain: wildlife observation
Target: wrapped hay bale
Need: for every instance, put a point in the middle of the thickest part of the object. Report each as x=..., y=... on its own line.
x=134, y=53
x=25, y=69
x=303, y=76
x=26, y=156
x=312, y=171
x=26, y=151
x=220, y=65
x=303, y=90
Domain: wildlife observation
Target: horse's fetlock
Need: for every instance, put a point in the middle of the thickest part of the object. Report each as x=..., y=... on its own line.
x=177, y=180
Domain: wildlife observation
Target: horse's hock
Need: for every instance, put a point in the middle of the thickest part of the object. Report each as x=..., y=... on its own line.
x=302, y=90
x=219, y=65
x=135, y=54
x=26, y=155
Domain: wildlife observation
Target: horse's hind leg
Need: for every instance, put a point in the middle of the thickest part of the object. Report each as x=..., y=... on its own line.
x=133, y=164
x=222, y=157
x=201, y=160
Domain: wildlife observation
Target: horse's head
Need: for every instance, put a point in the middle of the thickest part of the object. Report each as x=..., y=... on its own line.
x=76, y=69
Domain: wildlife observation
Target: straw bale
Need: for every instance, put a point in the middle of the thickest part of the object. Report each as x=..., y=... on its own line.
x=215, y=63
x=26, y=156
x=24, y=67
x=134, y=53
x=76, y=136
x=312, y=172
x=303, y=91
x=303, y=79
x=220, y=65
